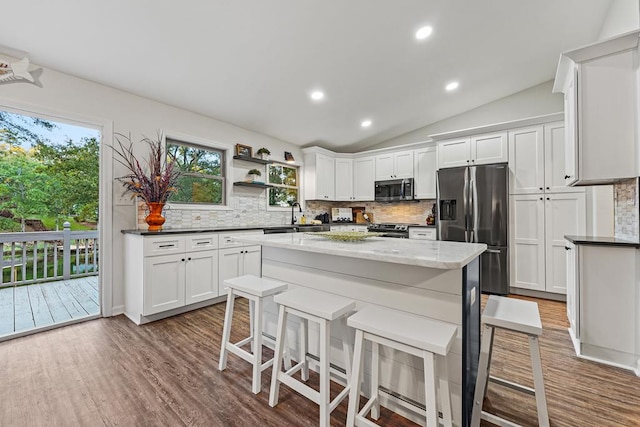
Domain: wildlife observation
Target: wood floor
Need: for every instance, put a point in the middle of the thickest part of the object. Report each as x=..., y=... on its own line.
x=44, y=304
x=111, y=372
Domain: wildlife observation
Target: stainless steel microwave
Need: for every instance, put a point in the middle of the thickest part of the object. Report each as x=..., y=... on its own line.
x=394, y=190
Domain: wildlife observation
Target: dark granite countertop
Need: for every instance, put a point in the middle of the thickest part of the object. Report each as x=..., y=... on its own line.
x=170, y=230
x=602, y=241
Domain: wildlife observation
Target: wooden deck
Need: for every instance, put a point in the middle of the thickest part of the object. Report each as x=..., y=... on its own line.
x=45, y=304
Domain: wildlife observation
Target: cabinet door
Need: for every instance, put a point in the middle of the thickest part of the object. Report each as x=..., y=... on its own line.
x=526, y=160
x=364, y=179
x=425, y=173
x=326, y=177
x=571, y=130
x=572, y=288
x=384, y=167
x=489, y=148
x=554, y=161
x=201, y=276
x=564, y=215
x=403, y=164
x=252, y=260
x=344, y=179
x=453, y=153
x=164, y=283
x=527, y=268
x=229, y=266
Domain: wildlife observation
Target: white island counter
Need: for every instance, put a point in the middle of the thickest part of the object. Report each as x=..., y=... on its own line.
x=435, y=279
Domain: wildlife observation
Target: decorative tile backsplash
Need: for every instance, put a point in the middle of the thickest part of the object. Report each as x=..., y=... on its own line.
x=400, y=212
x=627, y=209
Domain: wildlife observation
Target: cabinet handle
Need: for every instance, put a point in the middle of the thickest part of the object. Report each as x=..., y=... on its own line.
x=166, y=246
x=541, y=188
x=567, y=176
x=189, y=259
x=182, y=260
x=548, y=188
x=203, y=243
x=548, y=198
x=467, y=161
x=567, y=248
x=540, y=198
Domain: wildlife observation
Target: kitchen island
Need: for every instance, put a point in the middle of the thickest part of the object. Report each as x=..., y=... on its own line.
x=435, y=279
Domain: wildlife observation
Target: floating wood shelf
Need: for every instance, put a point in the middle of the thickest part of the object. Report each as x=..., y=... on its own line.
x=252, y=184
x=253, y=160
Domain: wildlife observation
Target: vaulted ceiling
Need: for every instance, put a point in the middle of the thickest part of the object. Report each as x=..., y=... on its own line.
x=254, y=63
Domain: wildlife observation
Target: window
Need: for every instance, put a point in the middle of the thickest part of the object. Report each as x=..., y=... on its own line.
x=202, y=179
x=285, y=184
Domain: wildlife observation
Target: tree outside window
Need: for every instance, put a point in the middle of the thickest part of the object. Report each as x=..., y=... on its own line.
x=284, y=180
x=202, y=179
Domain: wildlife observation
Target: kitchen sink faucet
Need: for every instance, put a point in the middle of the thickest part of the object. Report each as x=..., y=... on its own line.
x=293, y=218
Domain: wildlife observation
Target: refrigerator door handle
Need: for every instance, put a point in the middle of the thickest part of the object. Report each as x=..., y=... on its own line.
x=492, y=251
x=465, y=204
x=474, y=207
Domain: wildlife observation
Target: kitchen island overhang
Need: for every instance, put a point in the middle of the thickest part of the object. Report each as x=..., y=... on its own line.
x=438, y=280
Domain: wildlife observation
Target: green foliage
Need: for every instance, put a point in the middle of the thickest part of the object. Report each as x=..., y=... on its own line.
x=287, y=177
x=50, y=223
x=8, y=225
x=201, y=179
x=16, y=129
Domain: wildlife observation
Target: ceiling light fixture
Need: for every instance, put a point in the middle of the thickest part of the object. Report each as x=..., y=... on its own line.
x=452, y=86
x=423, y=33
x=317, y=95
x=366, y=123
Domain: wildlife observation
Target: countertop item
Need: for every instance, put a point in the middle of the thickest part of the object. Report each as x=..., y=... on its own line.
x=603, y=241
x=424, y=253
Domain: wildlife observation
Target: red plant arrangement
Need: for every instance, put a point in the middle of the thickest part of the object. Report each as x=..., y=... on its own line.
x=153, y=182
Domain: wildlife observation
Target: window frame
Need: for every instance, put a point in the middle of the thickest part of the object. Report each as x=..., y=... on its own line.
x=298, y=186
x=205, y=144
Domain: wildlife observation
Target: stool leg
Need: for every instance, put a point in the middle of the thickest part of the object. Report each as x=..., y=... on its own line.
x=356, y=377
x=304, y=343
x=375, y=379
x=430, y=389
x=483, y=375
x=347, y=349
x=538, y=382
x=445, y=396
x=277, y=356
x=252, y=313
x=226, y=330
x=257, y=346
x=325, y=339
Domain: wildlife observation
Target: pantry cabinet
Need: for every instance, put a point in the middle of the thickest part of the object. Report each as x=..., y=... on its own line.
x=474, y=150
x=394, y=165
x=538, y=224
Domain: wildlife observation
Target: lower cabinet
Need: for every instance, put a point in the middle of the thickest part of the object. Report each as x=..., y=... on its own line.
x=538, y=224
x=423, y=233
x=239, y=261
x=351, y=227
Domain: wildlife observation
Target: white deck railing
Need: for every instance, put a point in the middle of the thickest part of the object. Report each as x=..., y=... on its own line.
x=48, y=256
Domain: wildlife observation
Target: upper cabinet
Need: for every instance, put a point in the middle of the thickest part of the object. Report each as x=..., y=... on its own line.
x=395, y=165
x=319, y=177
x=475, y=150
x=425, y=173
x=364, y=172
x=344, y=179
x=600, y=86
x=537, y=160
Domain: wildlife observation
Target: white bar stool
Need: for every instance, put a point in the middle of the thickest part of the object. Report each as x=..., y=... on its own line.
x=322, y=308
x=416, y=335
x=255, y=289
x=517, y=316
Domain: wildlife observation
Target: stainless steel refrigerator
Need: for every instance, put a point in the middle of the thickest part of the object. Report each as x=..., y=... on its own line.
x=473, y=207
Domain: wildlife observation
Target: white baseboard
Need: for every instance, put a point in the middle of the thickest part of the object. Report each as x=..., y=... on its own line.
x=538, y=294
x=118, y=309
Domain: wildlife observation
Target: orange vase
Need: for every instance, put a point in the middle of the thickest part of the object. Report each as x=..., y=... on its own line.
x=155, y=218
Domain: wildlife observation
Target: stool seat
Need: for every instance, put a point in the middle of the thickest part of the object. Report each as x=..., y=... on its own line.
x=320, y=304
x=514, y=314
x=258, y=286
x=415, y=331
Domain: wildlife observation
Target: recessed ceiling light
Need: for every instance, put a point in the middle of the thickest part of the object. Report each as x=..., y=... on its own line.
x=452, y=86
x=317, y=95
x=424, y=32
x=365, y=123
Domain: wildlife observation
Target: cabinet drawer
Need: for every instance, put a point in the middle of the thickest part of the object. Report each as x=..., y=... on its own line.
x=163, y=245
x=422, y=233
x=226, y=240
x=201, y=242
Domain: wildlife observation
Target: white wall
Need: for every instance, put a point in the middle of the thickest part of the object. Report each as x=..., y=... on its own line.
x=535, y=101
x=623, y=16
x=66, y=97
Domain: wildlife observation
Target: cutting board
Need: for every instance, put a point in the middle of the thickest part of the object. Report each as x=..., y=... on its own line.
x=360, y=217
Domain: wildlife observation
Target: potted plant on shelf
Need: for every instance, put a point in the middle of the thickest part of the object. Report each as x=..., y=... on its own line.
x=254, y=175
x=154, y=181
x=264, y=153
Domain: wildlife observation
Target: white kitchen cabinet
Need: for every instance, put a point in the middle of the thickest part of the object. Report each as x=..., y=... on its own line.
x=423, y=233
x=344, y=179
x=239, y=261
x=168, y=272
x=424, y=185
x=394, y=165
x=538, y=224
x=350, y=227
x=364, y=171
x=603, y=305
x=536, y=160
x=600, y=83
x=319, y=177
x=475, y=150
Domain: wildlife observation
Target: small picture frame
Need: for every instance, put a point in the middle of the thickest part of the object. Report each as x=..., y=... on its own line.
x=244, y=150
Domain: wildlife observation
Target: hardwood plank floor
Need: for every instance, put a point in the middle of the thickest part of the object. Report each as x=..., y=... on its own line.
x=112, y=372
